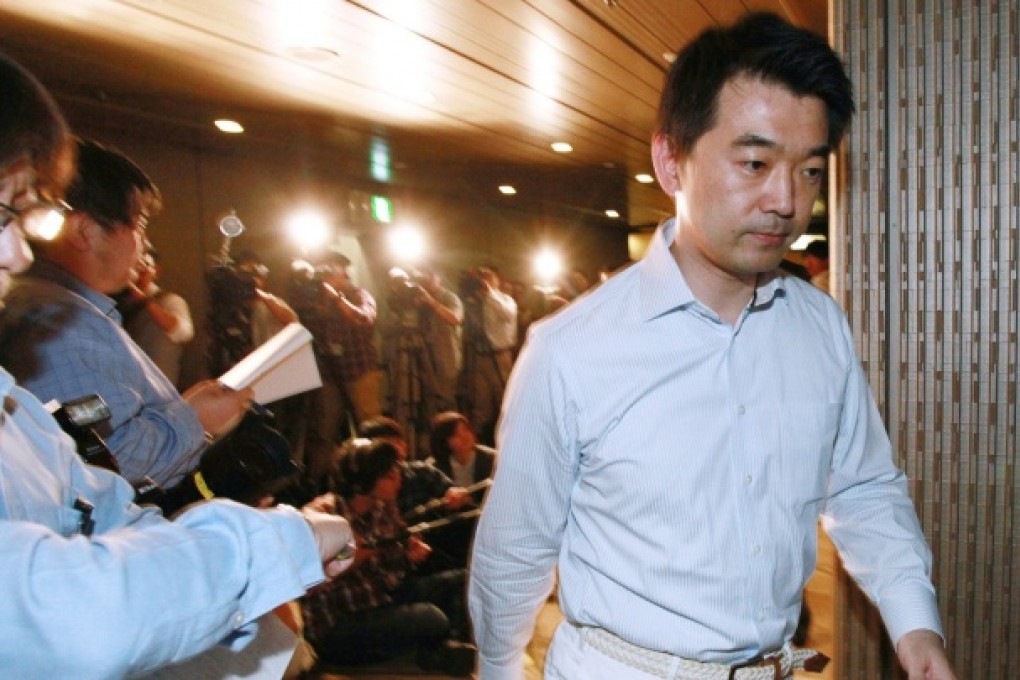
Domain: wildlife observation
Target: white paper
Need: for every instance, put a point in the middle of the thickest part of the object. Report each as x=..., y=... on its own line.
x=264, y=658
x=282, y=366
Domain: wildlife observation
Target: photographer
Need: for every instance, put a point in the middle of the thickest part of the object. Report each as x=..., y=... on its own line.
x=423, y=344
x=441, y=321
x=242, y=314
x=341, y=317
x=490, y=337
x=158, y=320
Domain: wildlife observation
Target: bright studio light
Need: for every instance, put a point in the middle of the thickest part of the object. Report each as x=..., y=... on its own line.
x=407, y=243
x=548, y=265
x=308, y=229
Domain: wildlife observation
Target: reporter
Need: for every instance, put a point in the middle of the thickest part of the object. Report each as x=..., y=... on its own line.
x=92, y=586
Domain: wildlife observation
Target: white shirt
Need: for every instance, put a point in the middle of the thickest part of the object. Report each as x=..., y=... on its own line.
x=674, y=468
x=499, y=312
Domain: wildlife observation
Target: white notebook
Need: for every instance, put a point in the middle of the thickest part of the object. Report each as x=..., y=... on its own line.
x=282, y=366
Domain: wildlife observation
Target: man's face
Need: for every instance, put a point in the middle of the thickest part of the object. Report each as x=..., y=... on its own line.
x=338, y=276
x=387, y=487
x=745, y=192
x=17, y=190
x=463, y=439
x=117, y=250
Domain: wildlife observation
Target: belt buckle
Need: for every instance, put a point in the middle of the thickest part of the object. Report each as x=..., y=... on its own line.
x=759, y=661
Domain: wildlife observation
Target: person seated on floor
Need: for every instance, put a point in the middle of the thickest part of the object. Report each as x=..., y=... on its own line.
x=456, y=452
x=427, y=493
x=422, y=481
x=379, y=608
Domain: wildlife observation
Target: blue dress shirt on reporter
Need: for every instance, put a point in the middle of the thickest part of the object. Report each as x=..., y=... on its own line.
x=142, y=592
x=675, y=467
x=62, y=340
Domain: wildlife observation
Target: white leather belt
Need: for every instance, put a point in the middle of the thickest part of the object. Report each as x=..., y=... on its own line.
x=669, y=667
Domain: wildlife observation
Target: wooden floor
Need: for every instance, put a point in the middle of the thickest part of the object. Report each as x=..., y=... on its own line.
x=821, y=633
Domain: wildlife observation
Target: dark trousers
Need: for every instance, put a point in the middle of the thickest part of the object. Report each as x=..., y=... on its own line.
x=425, y=611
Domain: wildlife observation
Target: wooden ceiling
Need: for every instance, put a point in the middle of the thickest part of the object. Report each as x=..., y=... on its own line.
x=481, y=87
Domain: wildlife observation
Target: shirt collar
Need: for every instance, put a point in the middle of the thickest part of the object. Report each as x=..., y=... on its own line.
x=664, y=288
x=51, y=271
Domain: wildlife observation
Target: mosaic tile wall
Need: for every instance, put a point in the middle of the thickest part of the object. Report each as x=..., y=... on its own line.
x=926, y=258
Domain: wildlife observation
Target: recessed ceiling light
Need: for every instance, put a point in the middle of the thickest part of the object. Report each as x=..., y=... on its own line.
x=561, y=147
x=507, y=190
x=644, y=178
x=229, y=126
x=612, y=213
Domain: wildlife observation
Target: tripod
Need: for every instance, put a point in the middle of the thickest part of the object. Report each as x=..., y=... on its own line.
x=413, y=383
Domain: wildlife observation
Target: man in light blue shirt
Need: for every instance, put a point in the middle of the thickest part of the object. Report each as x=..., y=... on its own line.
x=670, y=440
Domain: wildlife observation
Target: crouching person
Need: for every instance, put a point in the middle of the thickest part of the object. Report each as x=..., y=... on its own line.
x=380, y=608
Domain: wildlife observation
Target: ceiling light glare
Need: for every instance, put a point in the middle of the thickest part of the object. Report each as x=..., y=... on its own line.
x=561, y=147
x=231, y=127
x=612, y=214
x=308, y=229
x=507, y=190
x=548, y=265
x=407, y=243
x=644, y=178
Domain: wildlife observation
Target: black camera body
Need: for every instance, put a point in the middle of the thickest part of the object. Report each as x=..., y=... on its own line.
x=79, y=418
x=229, y=285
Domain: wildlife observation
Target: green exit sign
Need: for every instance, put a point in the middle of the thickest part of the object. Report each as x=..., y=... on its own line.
x=382, y=209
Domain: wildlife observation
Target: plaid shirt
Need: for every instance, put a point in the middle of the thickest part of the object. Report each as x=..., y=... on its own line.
x=350, y=350
x=63, y=340
x=367, y=584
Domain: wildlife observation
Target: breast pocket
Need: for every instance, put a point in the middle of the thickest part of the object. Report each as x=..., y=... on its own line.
x=808, y=434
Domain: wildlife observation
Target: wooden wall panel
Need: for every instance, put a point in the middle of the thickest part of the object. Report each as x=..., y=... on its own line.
x=927, y=254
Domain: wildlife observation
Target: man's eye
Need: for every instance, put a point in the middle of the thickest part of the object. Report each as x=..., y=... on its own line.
x=814, y=174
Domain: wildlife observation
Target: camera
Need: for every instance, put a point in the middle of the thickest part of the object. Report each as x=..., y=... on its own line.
x=472, y=284
x=78, y=419
x=251, y=462
x=405, y=291
x=304, y=288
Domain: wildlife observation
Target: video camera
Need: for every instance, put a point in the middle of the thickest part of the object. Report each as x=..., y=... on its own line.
x=405, y=289
x=472, y=284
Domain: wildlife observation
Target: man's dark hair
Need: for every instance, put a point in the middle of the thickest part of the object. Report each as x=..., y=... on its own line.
x=381, y=427
x=334, y=257
x=819, y=248
x=442, y=428
x=362, y=463
x=31, y=125
x=761, y=46
x=108, y=186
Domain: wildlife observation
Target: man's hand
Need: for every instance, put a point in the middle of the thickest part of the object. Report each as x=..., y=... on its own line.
x=417, y=550
x=456, y=497
x=923, y=655
x=219, y=408
x=335, y=539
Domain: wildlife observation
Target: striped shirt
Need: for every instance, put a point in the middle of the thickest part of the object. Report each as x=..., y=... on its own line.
x=674, y=467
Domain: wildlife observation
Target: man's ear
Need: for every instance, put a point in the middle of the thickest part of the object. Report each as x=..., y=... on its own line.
x=79, y=232
x=665, y=163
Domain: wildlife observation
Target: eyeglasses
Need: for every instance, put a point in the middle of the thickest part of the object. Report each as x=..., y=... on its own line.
x=40, y=220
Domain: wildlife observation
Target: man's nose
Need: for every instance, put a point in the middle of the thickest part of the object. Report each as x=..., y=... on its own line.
x=778, y=195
